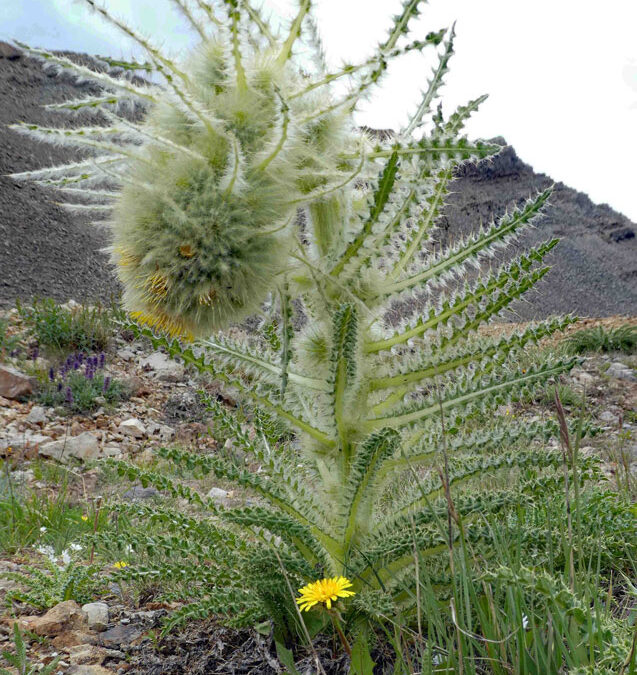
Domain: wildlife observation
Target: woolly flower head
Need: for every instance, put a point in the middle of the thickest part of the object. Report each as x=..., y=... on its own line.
x=324, y=590
x=204, y=226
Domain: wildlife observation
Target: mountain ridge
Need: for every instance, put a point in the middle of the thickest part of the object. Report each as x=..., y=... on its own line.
x=46, y=251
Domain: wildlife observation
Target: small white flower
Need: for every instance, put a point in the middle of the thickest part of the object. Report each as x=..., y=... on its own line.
x=75, y=547
x=525, y=622
x=43, y=529
x=48, y=551
x=66, y=557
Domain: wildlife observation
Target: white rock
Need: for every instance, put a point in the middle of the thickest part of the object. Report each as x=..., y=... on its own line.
x=97, y=615
x=83, y=447
x=132, y=427
x=125, y=354
x=22, y=441
x=20, y=476
x=585, y=378
x=146, y=456
x=70, y=305
x=222, y=497
x=161, y=432
x=621, y=372
x=37, y=415
x=607, y=416
x=112, y=450
x=41, y=364
x=164, y=368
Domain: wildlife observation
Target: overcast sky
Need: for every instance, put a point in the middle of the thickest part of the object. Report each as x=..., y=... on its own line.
x=561, y=74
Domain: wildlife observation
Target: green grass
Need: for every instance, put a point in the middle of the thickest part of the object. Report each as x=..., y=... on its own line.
x=600, y=339
x=86, y=329
x=32, y=519
x=568, y=396
x=546, y=600
x=8, y=343
x=552, y=595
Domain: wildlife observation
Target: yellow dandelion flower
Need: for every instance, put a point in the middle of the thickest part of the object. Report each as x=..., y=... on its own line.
x=120, y=565
x=84, y=518
x=324, y=590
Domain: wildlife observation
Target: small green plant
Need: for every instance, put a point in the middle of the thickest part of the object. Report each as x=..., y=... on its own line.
x=44, y=588
x=40, y=519
x=601, y=339
x=82, y=329
x=8, y=342
x=19, y=661
x=80, y=385
x=568, y=396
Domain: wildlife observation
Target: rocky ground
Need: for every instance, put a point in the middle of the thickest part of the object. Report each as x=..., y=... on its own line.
x=118, y=634
x=595, y=266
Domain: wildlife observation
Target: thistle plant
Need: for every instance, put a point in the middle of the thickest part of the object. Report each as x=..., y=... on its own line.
x=248, y=189
x=204, y=192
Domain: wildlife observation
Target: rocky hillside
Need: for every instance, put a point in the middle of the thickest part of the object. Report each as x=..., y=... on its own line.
x=47, y=252
x=595, y=265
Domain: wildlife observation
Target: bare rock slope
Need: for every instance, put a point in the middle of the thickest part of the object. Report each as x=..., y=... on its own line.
x=595, y=264
x=47, y=252
x=44, y=250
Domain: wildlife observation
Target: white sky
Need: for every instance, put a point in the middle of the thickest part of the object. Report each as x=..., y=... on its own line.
x=561, y=74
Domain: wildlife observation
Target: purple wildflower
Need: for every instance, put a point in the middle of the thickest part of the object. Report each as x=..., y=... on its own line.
x=51, y=374
x=59, y=386
x=68, y=396
x=107, y=384
x=102, y=360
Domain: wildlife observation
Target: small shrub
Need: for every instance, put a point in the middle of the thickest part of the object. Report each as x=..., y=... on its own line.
x=44, y=588
x=600, y=339
x=86, y=329
x=80, y=385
